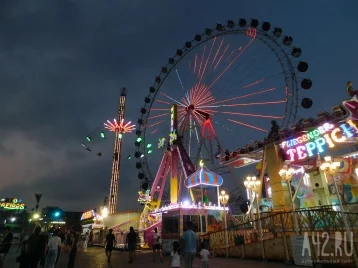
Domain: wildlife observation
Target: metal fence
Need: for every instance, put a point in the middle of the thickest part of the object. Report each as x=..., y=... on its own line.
x=244, y=229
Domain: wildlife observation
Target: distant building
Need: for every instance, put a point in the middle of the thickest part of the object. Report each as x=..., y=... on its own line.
x=73, y=220
x=55, y=217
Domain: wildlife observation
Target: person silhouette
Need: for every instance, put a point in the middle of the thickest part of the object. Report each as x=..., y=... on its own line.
x=350, y=90
x=274, y=129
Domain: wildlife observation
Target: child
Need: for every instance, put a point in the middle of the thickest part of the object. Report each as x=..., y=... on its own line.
x=175, y=261
x=204, y=253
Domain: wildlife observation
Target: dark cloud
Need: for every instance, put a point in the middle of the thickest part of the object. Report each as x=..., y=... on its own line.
x=63, y=63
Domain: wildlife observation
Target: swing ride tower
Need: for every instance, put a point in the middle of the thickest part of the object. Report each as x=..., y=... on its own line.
x=113, y=191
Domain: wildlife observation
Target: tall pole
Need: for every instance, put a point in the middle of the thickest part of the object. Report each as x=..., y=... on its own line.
x=224, y=199
x=260, y=225
x=113, y=192
x=226, y=233
x=253, y=184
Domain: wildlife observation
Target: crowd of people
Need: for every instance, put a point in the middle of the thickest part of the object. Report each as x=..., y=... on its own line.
x=41, y=248
x=44, y=248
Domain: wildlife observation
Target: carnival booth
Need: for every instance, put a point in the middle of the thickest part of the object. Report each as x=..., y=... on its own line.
x=205, y=215
x=92, y=224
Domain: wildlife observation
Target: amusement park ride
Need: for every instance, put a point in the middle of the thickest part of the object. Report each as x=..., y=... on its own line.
x=198, y=106
x=119, y=127
x=187, y=125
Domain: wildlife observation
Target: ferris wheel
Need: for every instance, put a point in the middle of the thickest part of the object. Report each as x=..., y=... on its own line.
x=240, y=75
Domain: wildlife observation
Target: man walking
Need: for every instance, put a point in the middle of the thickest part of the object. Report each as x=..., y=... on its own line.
x=190, y=243
x=132, y=243
x=110, y=242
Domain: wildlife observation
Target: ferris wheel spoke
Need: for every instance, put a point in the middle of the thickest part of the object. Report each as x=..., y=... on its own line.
x=221, y=57
x=154, y=131
x=247, y=125
x=254, y=83
x=207, y=59
x=156, y=116
x=164, y=102
x=255, y=103
x=201, y=61
x=180, y=81
x=240, y=97
x=181, y=104
x=231, y=63
x=254, y=115
x=157, y=123
x=217, y=52
x=159, y=109
x=196, y=58
x=250, y=71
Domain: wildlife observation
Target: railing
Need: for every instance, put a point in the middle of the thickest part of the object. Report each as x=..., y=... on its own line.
x=245, y=227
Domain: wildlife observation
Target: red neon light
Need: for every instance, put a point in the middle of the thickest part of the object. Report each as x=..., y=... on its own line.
x=163, y=102
x=201, y=62
x=247, y=125
x=156, y=116
x=244, y=96
x=152, y=125
x=222, y=55
x=255, y=103
x=206, y=63
x=231, y=63
x=254, y=115
x=217, y=51
x=254, y=83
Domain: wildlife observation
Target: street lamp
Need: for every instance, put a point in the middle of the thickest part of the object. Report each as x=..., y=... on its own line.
x=13, y=219
x=253, y=184
x=286, y=174
x=330, y=167
x=224, y=199
x=36, y=216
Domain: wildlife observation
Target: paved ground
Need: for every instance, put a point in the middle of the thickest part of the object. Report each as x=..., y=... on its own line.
x=95, y=258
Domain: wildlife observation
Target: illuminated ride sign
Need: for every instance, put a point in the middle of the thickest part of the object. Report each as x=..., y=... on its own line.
x=12, y=204
x=144, y=197
x=318, y=140
x=88, y=215
x=190, y=206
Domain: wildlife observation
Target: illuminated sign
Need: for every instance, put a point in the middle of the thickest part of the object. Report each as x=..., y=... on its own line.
x=12, y=203
x=161, y=143
x=172, y=137
x=88, y=215
x=190, y=206
x=144, y=197
x=318, y=140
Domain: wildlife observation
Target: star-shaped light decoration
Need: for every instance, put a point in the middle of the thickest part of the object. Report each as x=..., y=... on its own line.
x=352, y=107
x=172, y=137
x=161, y=143
x=121, y=127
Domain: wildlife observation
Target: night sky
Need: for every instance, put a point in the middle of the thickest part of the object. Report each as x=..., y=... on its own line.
x=64, y=62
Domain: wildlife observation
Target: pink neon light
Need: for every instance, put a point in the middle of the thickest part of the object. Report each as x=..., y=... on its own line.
x=247, y=125
x=232, y=62
x=254, y=83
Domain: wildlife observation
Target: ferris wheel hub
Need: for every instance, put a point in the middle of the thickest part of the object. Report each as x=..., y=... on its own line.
x=191, y=107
